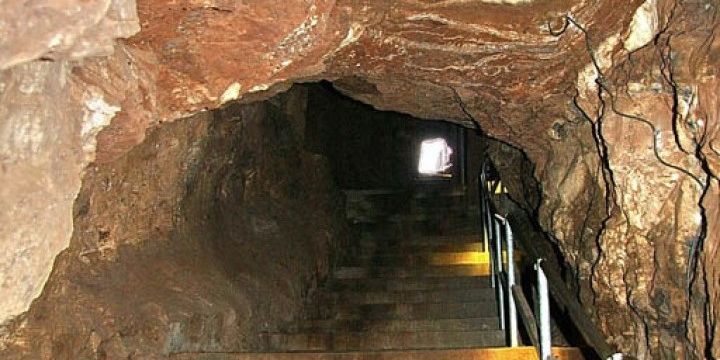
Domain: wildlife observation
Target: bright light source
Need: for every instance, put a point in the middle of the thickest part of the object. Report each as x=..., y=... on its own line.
x=434, y=157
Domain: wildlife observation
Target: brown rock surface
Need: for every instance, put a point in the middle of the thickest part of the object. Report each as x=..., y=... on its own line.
x=209, y=231
x=48, y=130
x=62, y=29
x=626, y=163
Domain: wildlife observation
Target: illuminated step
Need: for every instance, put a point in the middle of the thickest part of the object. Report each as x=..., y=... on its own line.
x=357, y=272
x=431, y=259
x=503, y=353
x=358, y=341
x=496, y=187
x=427, y=259
x=459, y=258
x=442, y=247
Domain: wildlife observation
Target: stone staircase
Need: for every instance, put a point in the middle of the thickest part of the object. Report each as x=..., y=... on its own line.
x=410, y=285
x=416, y=286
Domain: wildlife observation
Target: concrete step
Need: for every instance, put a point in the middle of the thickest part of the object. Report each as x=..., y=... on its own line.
x=424, y=311
x=436, y=203
x=403, y=208
x=352, y=272
x=410, y=259
x=423, y=243
x=435, y=218
x=458, y=209
x=427, y=260
x=388, y=205
x=449, y=239
x=438, y=216
x=446, y=229
x=467, y=324
x=419, y=246
x=360, y=341
x=416, y=214
x=503, y=353
x=385, y=231
x=438, y=194
x=407, y=297
x=353, y=195
x=409, y=283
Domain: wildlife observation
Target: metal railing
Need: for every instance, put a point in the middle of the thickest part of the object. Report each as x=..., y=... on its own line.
x=499, y=241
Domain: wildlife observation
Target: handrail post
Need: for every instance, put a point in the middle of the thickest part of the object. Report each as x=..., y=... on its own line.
x=498, y=271
x=512, y=311
x=485, y=210
x=486, y=231
x=481, y=203
x=544, y=305
x=489, y=219
x=491, y=253
x=488, y=216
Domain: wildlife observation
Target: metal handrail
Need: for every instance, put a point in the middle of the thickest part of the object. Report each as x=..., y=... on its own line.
x=507, y=273
x=498, y=237
x=503, y=280
x=545, y=349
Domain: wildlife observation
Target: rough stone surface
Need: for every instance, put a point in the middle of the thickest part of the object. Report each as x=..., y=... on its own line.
x=62, y=29
x=212, y=229
x=48, y=127
x=617, y=110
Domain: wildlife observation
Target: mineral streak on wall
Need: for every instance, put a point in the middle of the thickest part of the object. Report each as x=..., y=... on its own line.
x=613, y=102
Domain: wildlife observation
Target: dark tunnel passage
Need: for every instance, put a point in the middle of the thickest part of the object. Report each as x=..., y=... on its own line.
x=374, y=149
x=373, y=157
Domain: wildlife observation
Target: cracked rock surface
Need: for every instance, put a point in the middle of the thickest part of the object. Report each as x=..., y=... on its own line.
x=614, y=103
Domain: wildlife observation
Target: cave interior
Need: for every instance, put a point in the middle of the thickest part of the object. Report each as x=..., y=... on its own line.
x=328, y=179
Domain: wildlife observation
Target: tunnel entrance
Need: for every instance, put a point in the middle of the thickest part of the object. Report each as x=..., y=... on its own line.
x=435, y=158
x=371, y=149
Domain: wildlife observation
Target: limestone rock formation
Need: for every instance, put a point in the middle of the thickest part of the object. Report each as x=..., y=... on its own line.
x=63, y=30
x=614, y=103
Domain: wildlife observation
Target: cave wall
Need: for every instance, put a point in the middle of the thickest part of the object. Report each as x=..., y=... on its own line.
x=65, y=76
x=646, y=254
x=212, y=230
x=48, y=126
x=628, y=177
x=577, y=98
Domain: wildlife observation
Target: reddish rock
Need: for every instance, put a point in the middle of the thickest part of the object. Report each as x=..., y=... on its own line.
x=62, y=29
x=628, y=170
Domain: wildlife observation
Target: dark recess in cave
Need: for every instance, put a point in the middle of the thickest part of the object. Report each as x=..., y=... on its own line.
x=371, y=149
